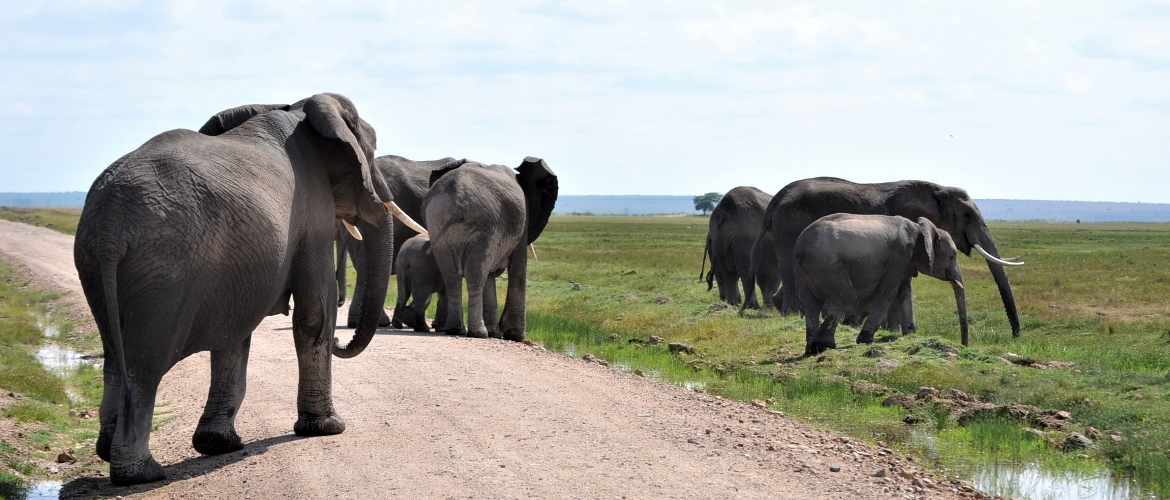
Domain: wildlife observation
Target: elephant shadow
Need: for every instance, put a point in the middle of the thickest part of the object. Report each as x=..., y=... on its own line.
x=100, y=487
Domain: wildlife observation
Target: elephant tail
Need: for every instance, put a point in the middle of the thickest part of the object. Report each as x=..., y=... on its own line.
x=109, y=269
x=706, y=250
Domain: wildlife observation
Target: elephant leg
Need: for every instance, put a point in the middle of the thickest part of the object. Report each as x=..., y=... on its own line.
x=514, y=320
x=491, y=310
x=476, y=280
x=216, y=432
x=878, y=310
x=130, y=458
x=904, y=304
x=400, y=305
x=313, y=336
x=440, y=323
x=812, y=320
x=418, y=307
x=454, y=309
x=111, y=404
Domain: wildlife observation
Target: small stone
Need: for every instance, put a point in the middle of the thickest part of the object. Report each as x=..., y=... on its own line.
x=1077, y=441
x=879, y=473
x=692, y=440
x=906, y=474
x=73, y=413
x=926, y=393
x=661, y=299
x=1063, y=415
x=66, y=456
x=615, y=337
x=759, y=403
x=1036, y=432
x=1093, y=432
x=834, y=468
x=677, y=347
x=655, y=340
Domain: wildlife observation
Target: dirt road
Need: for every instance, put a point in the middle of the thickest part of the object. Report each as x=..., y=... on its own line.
x=431, y=416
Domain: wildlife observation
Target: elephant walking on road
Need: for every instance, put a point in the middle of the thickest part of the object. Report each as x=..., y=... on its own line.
x=861, y=265
x=186, y=243
x=482, y=218
x=733, y=228
x=802, y=202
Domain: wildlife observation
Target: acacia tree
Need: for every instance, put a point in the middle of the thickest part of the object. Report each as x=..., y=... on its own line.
x=706, y=202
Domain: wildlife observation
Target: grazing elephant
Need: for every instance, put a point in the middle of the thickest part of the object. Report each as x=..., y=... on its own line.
x=950, y=208
x=186, y=243
x=733, y=228
x=481, y=220
x=408, y=181
x=418, y=279
x=847, y=264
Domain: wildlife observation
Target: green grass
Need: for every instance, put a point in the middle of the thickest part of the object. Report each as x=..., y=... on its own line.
x=62, y=220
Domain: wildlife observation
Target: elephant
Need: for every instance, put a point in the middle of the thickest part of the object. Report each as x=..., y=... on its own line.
x=481, y=220
x=186, y=243
x=408, y=181
x=733, y=228
x=418, y=278
x=802, y=202
x=848, y=264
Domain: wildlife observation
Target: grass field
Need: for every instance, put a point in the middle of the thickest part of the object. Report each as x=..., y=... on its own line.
x=1093, y=295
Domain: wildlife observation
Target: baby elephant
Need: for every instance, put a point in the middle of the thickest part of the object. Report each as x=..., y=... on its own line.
x=847, y=264
x=418, y=278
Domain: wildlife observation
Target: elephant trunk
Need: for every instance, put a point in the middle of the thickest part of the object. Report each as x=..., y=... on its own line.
x=961, y=305
x=379, y=247
x=1001, y=281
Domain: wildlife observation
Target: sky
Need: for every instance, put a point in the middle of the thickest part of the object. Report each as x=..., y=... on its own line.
x=1054, y=100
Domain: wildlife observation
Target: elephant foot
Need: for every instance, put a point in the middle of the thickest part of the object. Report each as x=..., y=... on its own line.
x=815, y=348
x=495, y=334
x=455, y=330
x=316, y=425
x=477, y=334
x=515, y=335
x=908, y=329
x=212, y=442
x=421, y=327
x=865, y=337
x=384, y=321
x=143, y=470
x=394, y=323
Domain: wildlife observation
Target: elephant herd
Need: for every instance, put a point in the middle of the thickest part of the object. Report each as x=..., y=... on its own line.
x=187, y=243
x=844, y=251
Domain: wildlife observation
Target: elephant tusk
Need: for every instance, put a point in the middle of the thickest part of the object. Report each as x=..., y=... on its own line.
x=1018, y=257
x=958, y=284
x=405, y=218
x=352, y=230
x=532, y=251
x=995, y=259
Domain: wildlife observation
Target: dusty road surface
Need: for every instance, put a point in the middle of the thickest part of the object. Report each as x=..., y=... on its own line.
x=431, y=416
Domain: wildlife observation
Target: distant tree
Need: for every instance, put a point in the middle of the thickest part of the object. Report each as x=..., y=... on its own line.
x=706, y=202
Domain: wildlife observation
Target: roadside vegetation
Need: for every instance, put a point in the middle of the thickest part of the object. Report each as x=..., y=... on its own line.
x=62, y=220
x=50, y=414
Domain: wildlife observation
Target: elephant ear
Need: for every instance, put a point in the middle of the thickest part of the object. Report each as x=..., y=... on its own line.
x=924, y=245
x=540, y=193
x=445, y=169
x=231, y=118
x=335, y=117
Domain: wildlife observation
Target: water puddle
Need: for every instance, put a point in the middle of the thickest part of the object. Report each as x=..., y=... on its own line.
x=43, y=490
x=60, y=361
x=1029, y=482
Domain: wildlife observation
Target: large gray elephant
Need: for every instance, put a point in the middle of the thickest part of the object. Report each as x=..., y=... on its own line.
x=949, y=208
x=188, y=242
x=861, y=265
x=733, y=228
x=481, y=220
x=408, y=182
x=418, y=278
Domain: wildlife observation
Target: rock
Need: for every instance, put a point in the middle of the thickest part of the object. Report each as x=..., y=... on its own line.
x=1003, y=361
x=879, y=473
x=661, y=299
x=1035, y=432
x=1077, y=441
x=906, y=474
x=834, y=468
x=911, y=419
x=615, y=337
x=594, y=359
x=903, y=400
x=639, y=372
x=1093, y=433
x=692, y=440
x=962, y=396
x=576, y=287
x=655, y=340
x=73, y=413
x=677, y=347
x=66, y=456
x=759, y=404
x=927, y=393
x=1038, y=366
x=1062, y=415
x=629, y=297
x=1116, y=438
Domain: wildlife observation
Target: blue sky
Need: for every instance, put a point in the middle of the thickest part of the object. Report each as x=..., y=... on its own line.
x=1023, y=99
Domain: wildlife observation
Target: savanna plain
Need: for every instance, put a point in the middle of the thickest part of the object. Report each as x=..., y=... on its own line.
x=1093, y=356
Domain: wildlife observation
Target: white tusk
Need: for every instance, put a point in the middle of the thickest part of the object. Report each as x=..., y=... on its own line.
x=1018, y=257
x=405, y=218
x=958, y=284
x=532, y=251
x=352, y=230
x=995, y=259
